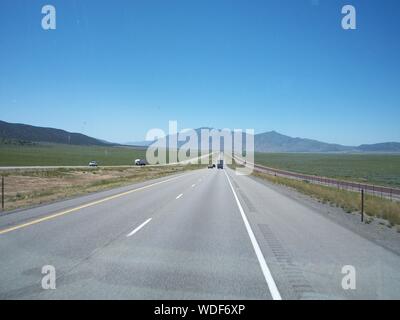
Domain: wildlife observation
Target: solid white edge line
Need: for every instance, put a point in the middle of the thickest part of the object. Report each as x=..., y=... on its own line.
x=273, y=289
x=138, y=228
x=179, y=196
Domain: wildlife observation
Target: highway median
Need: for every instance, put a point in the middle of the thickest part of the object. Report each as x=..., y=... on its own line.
x=31, y=187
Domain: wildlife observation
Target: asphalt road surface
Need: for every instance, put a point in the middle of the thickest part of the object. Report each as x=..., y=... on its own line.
x=205, y=234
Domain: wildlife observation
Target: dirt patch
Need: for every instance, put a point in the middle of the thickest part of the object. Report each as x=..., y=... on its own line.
x=32, y=187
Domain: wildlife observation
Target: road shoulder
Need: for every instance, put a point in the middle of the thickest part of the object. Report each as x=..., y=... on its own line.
x=376, y=230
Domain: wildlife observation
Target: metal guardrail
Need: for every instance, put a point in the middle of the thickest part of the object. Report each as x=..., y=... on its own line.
x=380, y=191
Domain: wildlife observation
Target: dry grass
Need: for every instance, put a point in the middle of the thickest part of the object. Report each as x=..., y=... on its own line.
x=347, y=200
x=33, y=187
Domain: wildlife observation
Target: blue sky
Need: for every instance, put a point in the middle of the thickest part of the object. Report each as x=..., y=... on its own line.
x=115, y=69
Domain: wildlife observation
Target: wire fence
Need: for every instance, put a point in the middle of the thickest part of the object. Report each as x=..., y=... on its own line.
x=379, y=191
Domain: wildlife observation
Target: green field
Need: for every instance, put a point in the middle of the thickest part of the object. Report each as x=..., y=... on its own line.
x=66, y=155
x=381, y=169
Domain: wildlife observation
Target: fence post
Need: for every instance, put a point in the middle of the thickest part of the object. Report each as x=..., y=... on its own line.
x=2, y=193
x=362, y=205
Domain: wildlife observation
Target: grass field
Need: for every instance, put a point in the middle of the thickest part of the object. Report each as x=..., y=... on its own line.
x=347, y=200
x=70, y=155
x=65, y=155
x=381, y=169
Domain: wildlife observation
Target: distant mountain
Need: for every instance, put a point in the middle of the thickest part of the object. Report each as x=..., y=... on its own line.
x=272, y=141
x=166, y=139
x=24, y=132
x=139, y=143
x=275, y=142
x=380, y=147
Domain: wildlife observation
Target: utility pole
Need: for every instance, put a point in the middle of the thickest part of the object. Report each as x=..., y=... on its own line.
x=2, y=193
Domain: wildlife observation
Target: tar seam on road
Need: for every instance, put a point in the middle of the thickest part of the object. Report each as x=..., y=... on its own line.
x=273, y=289
x=138, y=228
x=52, y=216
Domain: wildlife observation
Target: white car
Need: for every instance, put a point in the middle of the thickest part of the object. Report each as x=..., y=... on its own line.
x=93, y=164
x=140, y=162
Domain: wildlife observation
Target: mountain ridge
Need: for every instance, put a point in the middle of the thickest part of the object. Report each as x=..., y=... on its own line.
x=273, y=141
x=25, y=132
x=270, y=141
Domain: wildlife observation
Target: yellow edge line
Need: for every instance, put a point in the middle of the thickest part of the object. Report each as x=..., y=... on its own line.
x=52, y=216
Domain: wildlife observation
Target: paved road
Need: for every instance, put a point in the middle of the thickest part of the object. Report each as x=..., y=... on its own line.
x=205, y=234
x=188, y=161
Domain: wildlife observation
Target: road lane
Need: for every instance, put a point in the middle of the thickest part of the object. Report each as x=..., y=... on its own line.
x=263, y=264
x=79, y=208
x=25, y=215
x=196, y=247
x=66, y=240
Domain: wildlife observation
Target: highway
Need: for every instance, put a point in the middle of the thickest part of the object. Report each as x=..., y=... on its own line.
x=203, y=234
x=194, y=160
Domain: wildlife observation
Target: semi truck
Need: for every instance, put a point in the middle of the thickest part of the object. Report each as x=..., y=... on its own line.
x=220, y=164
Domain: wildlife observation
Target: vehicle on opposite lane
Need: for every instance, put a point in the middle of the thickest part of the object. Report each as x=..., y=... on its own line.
x=93, y=163
x=140, y=162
